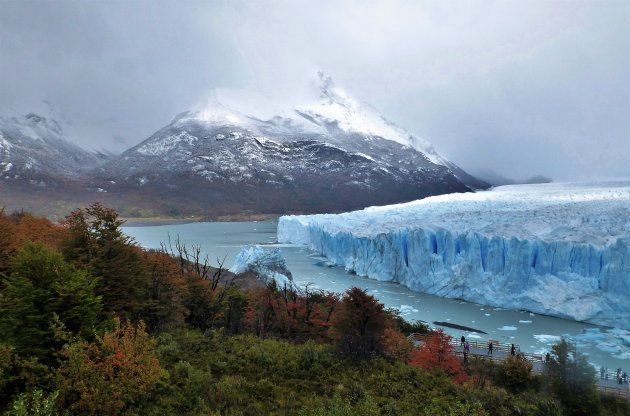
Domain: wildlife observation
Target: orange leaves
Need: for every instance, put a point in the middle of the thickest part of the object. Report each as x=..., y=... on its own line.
x=18, y=228
x=103, y=377
x=289, y=314
x=437, y=353
x=362, y=327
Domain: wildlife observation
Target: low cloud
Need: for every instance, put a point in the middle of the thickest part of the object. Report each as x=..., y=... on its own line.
x=516, y=87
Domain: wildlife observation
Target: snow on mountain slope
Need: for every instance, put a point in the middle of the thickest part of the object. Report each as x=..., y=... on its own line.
x=556, y=249
x=324, y=109
x=34, y=150
x=327, y=155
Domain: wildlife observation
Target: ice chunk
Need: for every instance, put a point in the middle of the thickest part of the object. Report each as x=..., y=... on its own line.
x=268, y=263
x=547, y=339
x=508, y=328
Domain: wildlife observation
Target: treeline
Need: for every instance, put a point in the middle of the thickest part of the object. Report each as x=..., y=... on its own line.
x=92, y=324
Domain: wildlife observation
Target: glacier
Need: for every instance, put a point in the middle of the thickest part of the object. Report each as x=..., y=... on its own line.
x=556, y=249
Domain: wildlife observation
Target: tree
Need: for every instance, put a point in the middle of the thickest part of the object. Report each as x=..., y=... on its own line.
x=8, y=241
x=19, y=228
x=573, y=380
x=105, y=376
x=96, y=242
x=516, y=373
x=359, y=324
x=43, y=286
x=34, y=403
x=164, y=304
x=436, y=352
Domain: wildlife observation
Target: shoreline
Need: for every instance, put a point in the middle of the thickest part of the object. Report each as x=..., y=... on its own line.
x=155, y=221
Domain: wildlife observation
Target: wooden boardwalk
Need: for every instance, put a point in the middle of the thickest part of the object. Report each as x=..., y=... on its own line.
x=609, y=384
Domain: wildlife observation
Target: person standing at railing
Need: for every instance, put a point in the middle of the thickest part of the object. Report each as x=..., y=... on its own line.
x=462, y=340
x=513, y=350
x=489, y=348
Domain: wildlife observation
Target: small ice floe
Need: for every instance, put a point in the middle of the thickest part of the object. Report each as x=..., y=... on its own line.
x=508, y=328
x=547, y=339
x=486, y=314
x=591, y=334
x=608, y=347
x=473, y=335
x=618, y=331
x=407, y=309
x=524, y=321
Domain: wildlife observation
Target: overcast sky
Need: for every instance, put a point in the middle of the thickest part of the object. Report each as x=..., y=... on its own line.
x=516, y=87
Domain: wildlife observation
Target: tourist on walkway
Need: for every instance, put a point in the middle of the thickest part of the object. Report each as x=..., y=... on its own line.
x=467, y=347
x=602, y=372
x=513, y=350
x=462, y=341
x=489, y=348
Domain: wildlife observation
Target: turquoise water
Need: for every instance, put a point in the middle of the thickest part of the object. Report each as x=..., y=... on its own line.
x=534, y=333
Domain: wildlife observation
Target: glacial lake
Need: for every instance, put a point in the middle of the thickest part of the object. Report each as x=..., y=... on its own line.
x=533, y=332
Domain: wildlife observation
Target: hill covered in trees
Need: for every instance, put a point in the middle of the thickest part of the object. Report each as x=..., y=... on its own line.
x=92, y=324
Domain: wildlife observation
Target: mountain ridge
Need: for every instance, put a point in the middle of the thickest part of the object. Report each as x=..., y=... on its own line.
x=327, y=155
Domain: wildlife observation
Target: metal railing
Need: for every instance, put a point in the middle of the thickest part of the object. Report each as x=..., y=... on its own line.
x=622, y=390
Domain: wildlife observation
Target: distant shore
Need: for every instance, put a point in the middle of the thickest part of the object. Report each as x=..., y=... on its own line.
x=153, y=221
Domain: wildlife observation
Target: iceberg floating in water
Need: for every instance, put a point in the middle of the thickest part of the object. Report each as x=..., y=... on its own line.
x=555, y=249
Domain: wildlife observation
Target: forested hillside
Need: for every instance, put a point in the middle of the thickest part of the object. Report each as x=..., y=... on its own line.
x=92, y=324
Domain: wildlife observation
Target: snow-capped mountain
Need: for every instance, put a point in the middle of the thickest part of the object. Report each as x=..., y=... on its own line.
x=35, y=152
x=250, y=153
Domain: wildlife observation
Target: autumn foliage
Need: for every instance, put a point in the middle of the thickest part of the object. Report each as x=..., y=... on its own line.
x=362, y=327
x=285, y=313
x=19, y=228
x=436, y=353
x=103, y=377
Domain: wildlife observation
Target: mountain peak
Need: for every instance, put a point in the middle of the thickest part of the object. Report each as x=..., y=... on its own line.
x=325, y=84
x=325, y=108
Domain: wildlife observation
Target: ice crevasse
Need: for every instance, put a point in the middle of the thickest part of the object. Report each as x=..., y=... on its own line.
x=555, y=249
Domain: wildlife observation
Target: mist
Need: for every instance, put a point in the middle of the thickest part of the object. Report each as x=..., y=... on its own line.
x=518, y=88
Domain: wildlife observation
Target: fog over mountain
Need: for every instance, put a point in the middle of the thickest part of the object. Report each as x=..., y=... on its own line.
x=521, y=88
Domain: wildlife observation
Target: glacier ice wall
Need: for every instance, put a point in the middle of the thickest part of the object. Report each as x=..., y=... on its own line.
x=560, y=250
